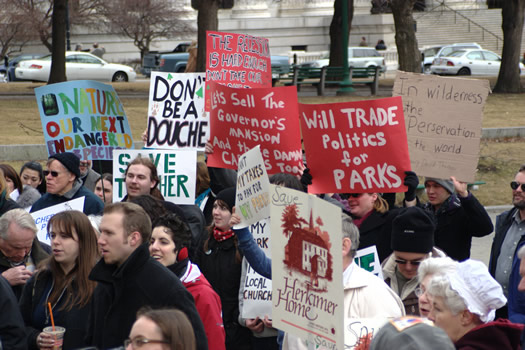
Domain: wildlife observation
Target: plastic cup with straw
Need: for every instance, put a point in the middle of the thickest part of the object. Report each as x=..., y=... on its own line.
x=57, y=332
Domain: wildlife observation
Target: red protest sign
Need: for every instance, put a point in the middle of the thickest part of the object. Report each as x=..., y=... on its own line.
x=241, y=119
x=237, y=60
x=355, y=147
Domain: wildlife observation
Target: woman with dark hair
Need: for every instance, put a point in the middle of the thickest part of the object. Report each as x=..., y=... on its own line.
x=164, y=329
x=24, y=195
x=32, y=174
x=62, y=281
x=170, y=241
x=220, y=261
x=104, y=188
x=6, y=203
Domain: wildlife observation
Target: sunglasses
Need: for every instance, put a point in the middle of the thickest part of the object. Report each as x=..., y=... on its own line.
x=355, y=195
x=53, y=173
x=411, y=262
x=514, y=185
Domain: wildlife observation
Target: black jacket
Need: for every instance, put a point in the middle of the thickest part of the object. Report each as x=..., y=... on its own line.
x=223, y=271
x=376, y=230
x=37, y=254
x=7, y=204
x=503, y=223
x=12, y=331
x=74, y=320
x=122, y=291
x=458, y=220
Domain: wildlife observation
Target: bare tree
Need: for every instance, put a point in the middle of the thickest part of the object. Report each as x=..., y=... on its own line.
x=14, y=31
x=513, y=13
x=408, y=53
x=336, y=34
x=145, y=20
x=58, y=35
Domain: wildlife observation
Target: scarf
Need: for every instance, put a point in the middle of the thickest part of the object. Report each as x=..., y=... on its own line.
x=222, y=235
x=359, y=221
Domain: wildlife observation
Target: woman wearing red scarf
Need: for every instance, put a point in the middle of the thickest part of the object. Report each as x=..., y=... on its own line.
x=219, y=260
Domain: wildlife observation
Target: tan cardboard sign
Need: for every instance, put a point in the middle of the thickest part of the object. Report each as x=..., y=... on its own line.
x=443, y=121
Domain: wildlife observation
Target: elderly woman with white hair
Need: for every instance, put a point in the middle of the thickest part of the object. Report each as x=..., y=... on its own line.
x=464, y=304
x=427, y=269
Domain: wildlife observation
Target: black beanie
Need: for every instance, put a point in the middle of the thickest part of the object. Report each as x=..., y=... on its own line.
x=413, y=231
x=70, y=161
x=228, y=196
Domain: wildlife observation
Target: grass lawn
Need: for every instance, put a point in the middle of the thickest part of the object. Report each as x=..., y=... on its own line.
x=498, y=163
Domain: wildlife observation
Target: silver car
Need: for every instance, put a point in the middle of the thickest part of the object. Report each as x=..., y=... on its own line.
x=362, y=57
x=469, y=62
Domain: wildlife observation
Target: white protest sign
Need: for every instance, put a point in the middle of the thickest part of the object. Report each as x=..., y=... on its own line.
x=176, y=170
x=358, y=329
x=307, y=267
x=257, y=294
x=251, y=200
x=368, y=259
x=443, y=122
x=42, y=216
x=176, y=118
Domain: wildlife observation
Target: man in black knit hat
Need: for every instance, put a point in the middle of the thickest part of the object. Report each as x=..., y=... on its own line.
x=412, y=242
x=63, y=184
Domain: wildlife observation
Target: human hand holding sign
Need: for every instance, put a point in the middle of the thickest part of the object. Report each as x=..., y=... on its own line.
x=460, y=187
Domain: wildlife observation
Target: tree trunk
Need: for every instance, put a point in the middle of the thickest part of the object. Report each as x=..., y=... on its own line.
x=512, y=13
x=58, y=35
x=336, y=33
x=206, y=20
x=408, y=54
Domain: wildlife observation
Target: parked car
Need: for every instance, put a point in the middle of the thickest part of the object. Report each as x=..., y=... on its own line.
x=9, y=71
x=446, y=50
x=469, y=62
x=428, y=54
x=151, y=60
x=357, y=57
x=79, y=66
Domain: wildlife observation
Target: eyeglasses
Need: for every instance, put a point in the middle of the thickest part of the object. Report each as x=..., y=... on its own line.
x=514, y=185
x=140, y=342
x=419, y=292
x=53, y=173
x=84, y=164
x=411, y=262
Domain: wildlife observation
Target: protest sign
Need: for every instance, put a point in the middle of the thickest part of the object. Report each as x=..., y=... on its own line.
x=443, y=122
x=42, y=216
x=257, y=294
x=177, y=171
x=84, y=117
x=358, y=329
x=176, y=118
x=241, y=119
x=253, y=186
x=368, y=259
x=307, y=291
x=355, y=147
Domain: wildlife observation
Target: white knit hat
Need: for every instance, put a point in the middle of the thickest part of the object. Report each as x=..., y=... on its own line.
x=480, y=292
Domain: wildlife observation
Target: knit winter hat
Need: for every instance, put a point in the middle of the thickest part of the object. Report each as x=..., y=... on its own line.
x=228, y=196
x=411, y=333
x=446, y=184
x=70, y=161
x=413, y=231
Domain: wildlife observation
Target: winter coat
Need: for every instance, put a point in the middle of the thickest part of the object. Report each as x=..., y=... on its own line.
x=92, y=204
x=74, y=320
x=121, y=291
x=12, y=330
x=500, y=334
x=458, y=220
x=37, y=255
x=219, y=266
x=503, y=223
x=90, y=179
x=408, y=294
x=28, y=197
x=207, y=302
x=6, y=204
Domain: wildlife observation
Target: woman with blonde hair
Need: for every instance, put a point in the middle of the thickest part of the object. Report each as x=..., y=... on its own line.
x=63, y=282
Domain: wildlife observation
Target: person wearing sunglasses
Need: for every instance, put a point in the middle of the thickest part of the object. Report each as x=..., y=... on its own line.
x=412, y=242
x=63, y=184
x=508, y=239
x=459, y=216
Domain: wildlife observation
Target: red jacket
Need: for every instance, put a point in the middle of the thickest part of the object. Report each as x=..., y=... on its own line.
x=500, y=334
x=208, y=305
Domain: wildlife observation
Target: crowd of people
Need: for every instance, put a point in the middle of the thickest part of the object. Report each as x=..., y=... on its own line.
x=146, y=271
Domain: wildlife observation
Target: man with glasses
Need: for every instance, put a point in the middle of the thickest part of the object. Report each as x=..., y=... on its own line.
x=63, y=184
x=412, y=242
x=20, y=251
x=509, y=238
x=459, y=216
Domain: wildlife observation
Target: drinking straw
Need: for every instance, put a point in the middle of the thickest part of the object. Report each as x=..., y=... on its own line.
x=51, y=314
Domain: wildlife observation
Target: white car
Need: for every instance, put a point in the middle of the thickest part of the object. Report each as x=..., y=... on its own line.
x=469, y=62
x=79, y=66
x=359, y=56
